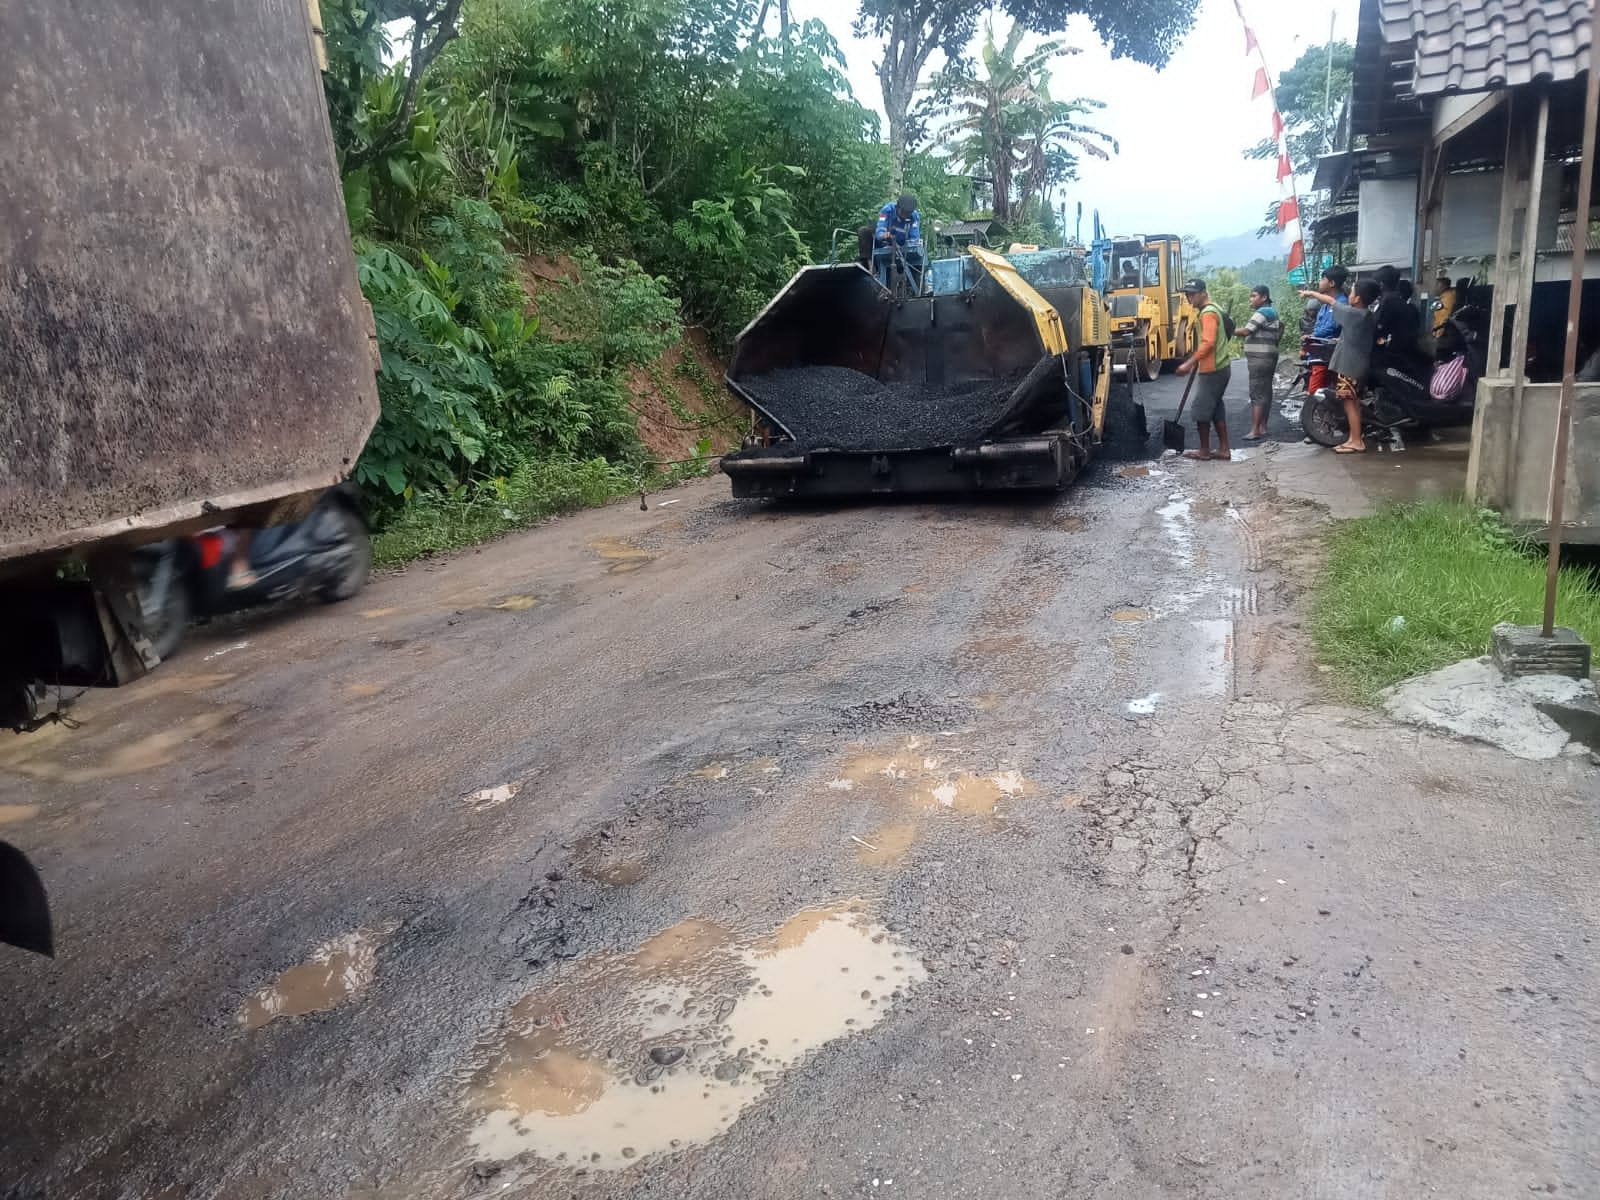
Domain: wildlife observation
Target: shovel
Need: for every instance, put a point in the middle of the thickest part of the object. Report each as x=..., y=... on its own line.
x=1172, y=434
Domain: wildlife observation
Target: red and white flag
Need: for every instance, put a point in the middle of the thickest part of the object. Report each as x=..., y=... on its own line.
x=1289, y=203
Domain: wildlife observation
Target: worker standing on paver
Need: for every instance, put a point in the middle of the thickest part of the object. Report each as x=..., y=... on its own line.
x=899, y=224
x=1214, y=362
x=1261, y=333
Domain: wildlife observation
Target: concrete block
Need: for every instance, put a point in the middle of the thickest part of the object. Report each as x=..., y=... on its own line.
x=1520, y=650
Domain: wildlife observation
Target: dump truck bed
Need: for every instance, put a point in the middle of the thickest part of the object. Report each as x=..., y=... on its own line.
x=184, y=332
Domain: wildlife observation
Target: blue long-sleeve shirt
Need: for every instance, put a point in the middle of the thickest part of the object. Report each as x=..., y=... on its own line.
x=904, y=232
x=1326, y=326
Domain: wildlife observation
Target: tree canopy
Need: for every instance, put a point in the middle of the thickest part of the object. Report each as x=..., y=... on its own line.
x=1004, y=122
x=1147, y=31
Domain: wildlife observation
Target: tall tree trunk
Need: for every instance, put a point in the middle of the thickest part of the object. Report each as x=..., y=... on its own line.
x=897, y=143
x=905, y=54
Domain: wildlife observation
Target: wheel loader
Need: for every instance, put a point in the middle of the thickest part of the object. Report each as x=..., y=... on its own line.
x=1152, y=326
x=986, y=381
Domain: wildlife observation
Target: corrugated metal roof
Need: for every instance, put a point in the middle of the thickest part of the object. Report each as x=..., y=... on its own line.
x=1485, y=45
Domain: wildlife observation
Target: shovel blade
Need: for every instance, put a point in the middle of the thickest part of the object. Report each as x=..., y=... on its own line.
x=1172, y=435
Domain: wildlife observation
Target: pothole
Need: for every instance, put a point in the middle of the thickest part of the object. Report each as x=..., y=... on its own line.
x=927, y=773
x=887, y=845
x=336, y=972
x=664, y=1048
x=623, y=556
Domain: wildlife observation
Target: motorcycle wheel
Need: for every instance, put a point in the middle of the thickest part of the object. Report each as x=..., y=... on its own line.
x=169, y=625
x=354, y=575
x=1324, y=421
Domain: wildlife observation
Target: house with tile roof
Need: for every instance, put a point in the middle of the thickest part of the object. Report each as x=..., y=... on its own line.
x=1460, y=154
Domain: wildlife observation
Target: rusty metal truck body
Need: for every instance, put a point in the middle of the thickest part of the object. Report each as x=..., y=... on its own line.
x=183, y=340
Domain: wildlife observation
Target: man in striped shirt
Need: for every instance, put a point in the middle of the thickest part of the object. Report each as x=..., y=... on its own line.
x=1261, y=335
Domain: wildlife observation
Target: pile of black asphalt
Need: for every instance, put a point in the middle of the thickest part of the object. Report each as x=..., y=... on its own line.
x=835, y=408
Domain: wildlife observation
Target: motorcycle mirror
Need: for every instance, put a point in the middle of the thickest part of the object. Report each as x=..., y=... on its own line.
x=24, y=908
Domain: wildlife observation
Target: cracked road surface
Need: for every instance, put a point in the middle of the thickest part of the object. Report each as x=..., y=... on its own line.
x=728, y=851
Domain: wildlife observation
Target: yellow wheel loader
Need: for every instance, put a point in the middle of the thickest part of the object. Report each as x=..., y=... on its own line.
x=1152, y=325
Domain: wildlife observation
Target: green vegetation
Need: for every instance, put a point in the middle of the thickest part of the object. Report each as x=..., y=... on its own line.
x=683, y=155
x=1452, y=572
x=1007, y=125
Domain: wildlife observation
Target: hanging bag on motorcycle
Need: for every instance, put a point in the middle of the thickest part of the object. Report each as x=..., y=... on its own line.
x=1449, y=380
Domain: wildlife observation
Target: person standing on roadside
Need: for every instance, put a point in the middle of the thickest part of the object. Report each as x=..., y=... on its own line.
x=1261, y=334
x=1352, y=357
x=1213, y=362
x=1326, y=328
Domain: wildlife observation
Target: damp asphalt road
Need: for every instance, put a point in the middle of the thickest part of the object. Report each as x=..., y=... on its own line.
x=725, y=850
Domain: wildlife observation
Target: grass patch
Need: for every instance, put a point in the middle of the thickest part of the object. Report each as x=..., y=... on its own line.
x=1453, y=572
x=530, y=494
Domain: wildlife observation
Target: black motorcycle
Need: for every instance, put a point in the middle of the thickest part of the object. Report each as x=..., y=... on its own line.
x=325, y=557
x=1397, y=399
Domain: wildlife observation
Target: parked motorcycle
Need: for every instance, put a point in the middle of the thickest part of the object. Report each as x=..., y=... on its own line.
x=325, y=557
x=1397, y=400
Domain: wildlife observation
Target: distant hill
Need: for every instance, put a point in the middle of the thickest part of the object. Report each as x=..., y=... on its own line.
x=1240, y=250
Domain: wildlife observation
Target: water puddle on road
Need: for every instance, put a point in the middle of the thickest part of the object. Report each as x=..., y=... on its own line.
x=623, y=556
x=28, y=756
x=663, y=1049
x=10, y=814
x=886, y=845
x=515, y=603
x=336, y=972
x=1135, y=472
x=918, y=772
x=1131, y=614
x=1210, y=666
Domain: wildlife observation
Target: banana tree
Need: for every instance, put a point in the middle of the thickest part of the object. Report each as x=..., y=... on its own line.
x=998, y=115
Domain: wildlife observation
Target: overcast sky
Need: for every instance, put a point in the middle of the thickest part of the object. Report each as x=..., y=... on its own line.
x=1181, y=169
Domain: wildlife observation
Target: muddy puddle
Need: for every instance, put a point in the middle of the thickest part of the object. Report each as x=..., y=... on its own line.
x=928, y=773
x=753, y=773
x=663, y=1049
x=62, y=756
x=886, y=845
x=10, y=814
x=336, y=972
x=621, y=555
x=515, y=603
x=1131, y=615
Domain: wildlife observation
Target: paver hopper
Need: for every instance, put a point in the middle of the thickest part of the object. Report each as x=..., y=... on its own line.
x=991, y=386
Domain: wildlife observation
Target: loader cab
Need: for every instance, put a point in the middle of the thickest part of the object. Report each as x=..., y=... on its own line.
x=1152, y=325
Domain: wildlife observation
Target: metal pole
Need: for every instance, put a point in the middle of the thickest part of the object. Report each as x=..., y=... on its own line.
x=1569, y=365
x=1327, y=92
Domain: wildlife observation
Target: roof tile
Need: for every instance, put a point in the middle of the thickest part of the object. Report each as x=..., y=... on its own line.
x=1481, y=45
